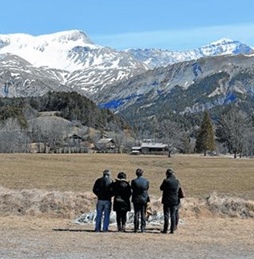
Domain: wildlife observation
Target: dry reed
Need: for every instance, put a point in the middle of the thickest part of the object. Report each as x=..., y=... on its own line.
x=60, y=185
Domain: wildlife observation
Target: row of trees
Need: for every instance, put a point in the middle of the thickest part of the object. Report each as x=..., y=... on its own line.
x=232, y=133
x=69, y=105
x=227, y=130
x=22, y=125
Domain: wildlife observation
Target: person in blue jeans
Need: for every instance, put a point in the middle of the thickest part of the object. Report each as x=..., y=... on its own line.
x=103, y=190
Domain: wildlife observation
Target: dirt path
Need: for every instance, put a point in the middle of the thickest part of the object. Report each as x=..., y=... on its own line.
x=27, y=237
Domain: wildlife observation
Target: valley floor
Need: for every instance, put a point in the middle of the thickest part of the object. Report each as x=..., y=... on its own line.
x=204, y=237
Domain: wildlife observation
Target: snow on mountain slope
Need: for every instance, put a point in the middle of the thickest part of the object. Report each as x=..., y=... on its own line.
x=52, y=50
x=73, y=58
x=157, y=57
x=70, y=60
x=225, y=47
x=73, y=50
x=18, y=78
x=186, y=86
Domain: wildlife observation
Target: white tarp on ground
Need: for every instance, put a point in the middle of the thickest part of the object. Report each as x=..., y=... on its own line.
x=155, y=218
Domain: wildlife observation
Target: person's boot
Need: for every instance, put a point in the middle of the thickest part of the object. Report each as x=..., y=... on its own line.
x=123, y=228
x=119, y=227
x=142, y=229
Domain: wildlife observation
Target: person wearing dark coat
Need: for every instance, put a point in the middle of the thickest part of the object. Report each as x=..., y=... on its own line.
x=170, y=200
x=140, y=197
x=121, y=204
x=103, y=190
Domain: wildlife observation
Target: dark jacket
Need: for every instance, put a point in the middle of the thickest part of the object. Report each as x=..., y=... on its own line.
x=122, y=194
x=103, y=188
x=169, y=188
x=140, y=188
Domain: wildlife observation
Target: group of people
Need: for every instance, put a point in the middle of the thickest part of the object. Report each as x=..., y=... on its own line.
x=105, y=188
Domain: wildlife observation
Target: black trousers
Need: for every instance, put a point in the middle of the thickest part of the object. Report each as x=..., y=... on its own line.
x=169, y=211
x=121, y=217
x=139, y=213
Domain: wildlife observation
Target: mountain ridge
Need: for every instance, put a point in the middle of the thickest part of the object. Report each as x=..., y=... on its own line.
x=121, y=79
x=69, y=46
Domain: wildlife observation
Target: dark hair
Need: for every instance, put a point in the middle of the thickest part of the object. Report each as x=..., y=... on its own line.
x=121, y=175
x=139, y=172
x=106, y=172
x=169, y=172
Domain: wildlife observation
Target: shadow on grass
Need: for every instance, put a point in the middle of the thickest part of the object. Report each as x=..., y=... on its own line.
x=72, y=230
x=129, y=231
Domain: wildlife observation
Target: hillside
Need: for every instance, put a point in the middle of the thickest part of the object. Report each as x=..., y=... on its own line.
x=143, y=87
x=52, y=119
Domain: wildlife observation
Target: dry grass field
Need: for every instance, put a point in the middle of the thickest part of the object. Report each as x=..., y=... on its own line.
x=40, y=195
x=200, y=176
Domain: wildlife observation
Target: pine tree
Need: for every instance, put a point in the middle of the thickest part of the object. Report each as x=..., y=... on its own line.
x=205, y=139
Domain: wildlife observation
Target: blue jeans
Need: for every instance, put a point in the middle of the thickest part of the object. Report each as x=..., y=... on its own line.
x=103, y=209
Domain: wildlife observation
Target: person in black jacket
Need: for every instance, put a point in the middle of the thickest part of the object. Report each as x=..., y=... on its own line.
x=103, y=190
x=170, y=200
x=121, y=205
x=140, y=197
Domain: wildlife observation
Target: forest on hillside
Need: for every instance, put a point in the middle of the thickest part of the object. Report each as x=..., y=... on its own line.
x=23, y=121
x=52, y=118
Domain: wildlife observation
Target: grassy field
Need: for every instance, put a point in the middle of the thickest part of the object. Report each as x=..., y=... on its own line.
x=38, y=223
x=199, y=175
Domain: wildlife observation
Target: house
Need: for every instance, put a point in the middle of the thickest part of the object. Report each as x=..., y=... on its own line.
x=154, y=148
x=148, y=147
x=76, y=138
x=106, y=145
x=38, y=147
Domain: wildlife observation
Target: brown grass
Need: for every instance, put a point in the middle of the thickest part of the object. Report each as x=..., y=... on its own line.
x=49, y=190
x=30, y=237
x=200, y=176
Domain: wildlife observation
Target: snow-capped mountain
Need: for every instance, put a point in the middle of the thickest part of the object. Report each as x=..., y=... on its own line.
x=156, y=57
x=52, y=50
x=18, y=78
x=70, y=61
x=80, y=64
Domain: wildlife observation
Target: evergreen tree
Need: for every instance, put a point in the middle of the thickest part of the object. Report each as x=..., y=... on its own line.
x=205, y=139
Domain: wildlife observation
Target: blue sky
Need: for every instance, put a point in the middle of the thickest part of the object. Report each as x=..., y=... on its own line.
x=122, y=24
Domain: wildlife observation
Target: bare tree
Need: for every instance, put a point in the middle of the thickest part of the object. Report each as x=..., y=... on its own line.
x=49, y=130
x=118, y=139
x=248, y=138
x=171, y=134
x=12, y=137
x=232, y=130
